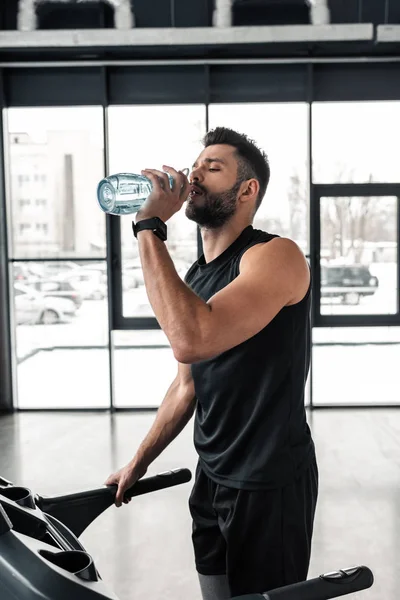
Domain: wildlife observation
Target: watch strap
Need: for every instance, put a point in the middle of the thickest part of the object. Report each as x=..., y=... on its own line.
x=157, y=226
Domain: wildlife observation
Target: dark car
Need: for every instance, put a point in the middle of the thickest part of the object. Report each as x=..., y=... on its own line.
x=349, y=283
x=58, y=289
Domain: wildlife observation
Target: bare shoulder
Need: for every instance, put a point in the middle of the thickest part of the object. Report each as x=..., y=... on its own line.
x=284, y=261
x=278, y=251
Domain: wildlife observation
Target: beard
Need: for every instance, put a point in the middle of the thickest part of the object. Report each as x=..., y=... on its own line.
x=216, y=209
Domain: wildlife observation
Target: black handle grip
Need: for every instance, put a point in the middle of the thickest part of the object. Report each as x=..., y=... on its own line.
x=324, y=587
x=159, y=482
x=78, y=510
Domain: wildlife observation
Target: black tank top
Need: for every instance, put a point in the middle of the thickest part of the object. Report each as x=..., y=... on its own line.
x=250, y=428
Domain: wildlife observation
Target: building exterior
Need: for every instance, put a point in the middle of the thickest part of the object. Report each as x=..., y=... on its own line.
x=52, y=200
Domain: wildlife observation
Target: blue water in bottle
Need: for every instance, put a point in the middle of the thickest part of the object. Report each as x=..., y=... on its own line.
x=124, y=193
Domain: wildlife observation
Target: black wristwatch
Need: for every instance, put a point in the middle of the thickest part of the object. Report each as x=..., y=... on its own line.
x=157, y=226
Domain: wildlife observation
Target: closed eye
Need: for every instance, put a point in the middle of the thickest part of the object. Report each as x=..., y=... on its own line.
x=213, y=170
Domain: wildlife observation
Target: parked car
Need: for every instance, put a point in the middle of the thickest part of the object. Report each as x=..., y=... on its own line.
x=19, y=272
x=90, y=283
x=57, y=288
x=23, y=271
x=132, y=273
x=31, y=307
x=349, y=283
x=54, y=268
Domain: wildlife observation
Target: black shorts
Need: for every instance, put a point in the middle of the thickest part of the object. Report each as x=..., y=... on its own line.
x=260, y=539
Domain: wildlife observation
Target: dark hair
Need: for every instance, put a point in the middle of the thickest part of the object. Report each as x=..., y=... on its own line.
x=252, y=161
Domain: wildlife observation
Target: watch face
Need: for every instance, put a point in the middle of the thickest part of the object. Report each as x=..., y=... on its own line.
x=161, y=229
x=161, y=224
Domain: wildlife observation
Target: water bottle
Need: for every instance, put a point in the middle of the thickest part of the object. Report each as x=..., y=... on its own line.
x=124, y=193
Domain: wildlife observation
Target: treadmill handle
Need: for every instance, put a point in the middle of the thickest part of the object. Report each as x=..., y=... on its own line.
x=158, y=482
x=330, y=585
x=78, y=510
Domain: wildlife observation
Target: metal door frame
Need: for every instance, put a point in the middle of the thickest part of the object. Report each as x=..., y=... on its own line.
x=319, y=191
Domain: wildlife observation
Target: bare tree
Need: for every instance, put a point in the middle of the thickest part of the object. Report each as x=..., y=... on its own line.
x=347, y=223
x=273, y=225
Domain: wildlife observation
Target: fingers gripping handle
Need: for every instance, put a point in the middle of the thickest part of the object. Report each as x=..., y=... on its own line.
x=158, y=482
x=330, y=585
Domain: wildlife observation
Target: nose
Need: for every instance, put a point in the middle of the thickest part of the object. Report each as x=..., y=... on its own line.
x=195, y=175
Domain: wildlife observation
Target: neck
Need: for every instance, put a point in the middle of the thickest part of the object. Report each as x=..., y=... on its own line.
x=216, y=241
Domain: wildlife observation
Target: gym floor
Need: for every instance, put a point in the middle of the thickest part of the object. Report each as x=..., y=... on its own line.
x=144, y=549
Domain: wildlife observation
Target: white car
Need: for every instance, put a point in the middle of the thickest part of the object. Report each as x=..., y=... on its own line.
x=90, y=283
x=32, y=307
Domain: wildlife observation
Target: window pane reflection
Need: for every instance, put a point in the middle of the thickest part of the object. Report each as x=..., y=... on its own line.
x=56, y=158
x=148, y=137
x=284, y=210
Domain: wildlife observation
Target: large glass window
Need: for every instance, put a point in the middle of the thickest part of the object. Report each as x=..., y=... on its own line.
x=355, y=142
x=56, y=158
x=149, y=137
x=60, y=313
x=281, y=130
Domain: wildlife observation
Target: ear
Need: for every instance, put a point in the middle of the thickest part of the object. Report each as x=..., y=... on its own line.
x=249, y=190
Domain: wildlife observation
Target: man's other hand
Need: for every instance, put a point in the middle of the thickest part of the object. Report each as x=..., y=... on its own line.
x=124, y=479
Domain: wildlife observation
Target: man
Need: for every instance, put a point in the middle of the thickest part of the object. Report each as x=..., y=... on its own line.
x=239, y=328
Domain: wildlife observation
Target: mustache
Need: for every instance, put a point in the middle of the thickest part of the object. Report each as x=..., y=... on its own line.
x=200, y=187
